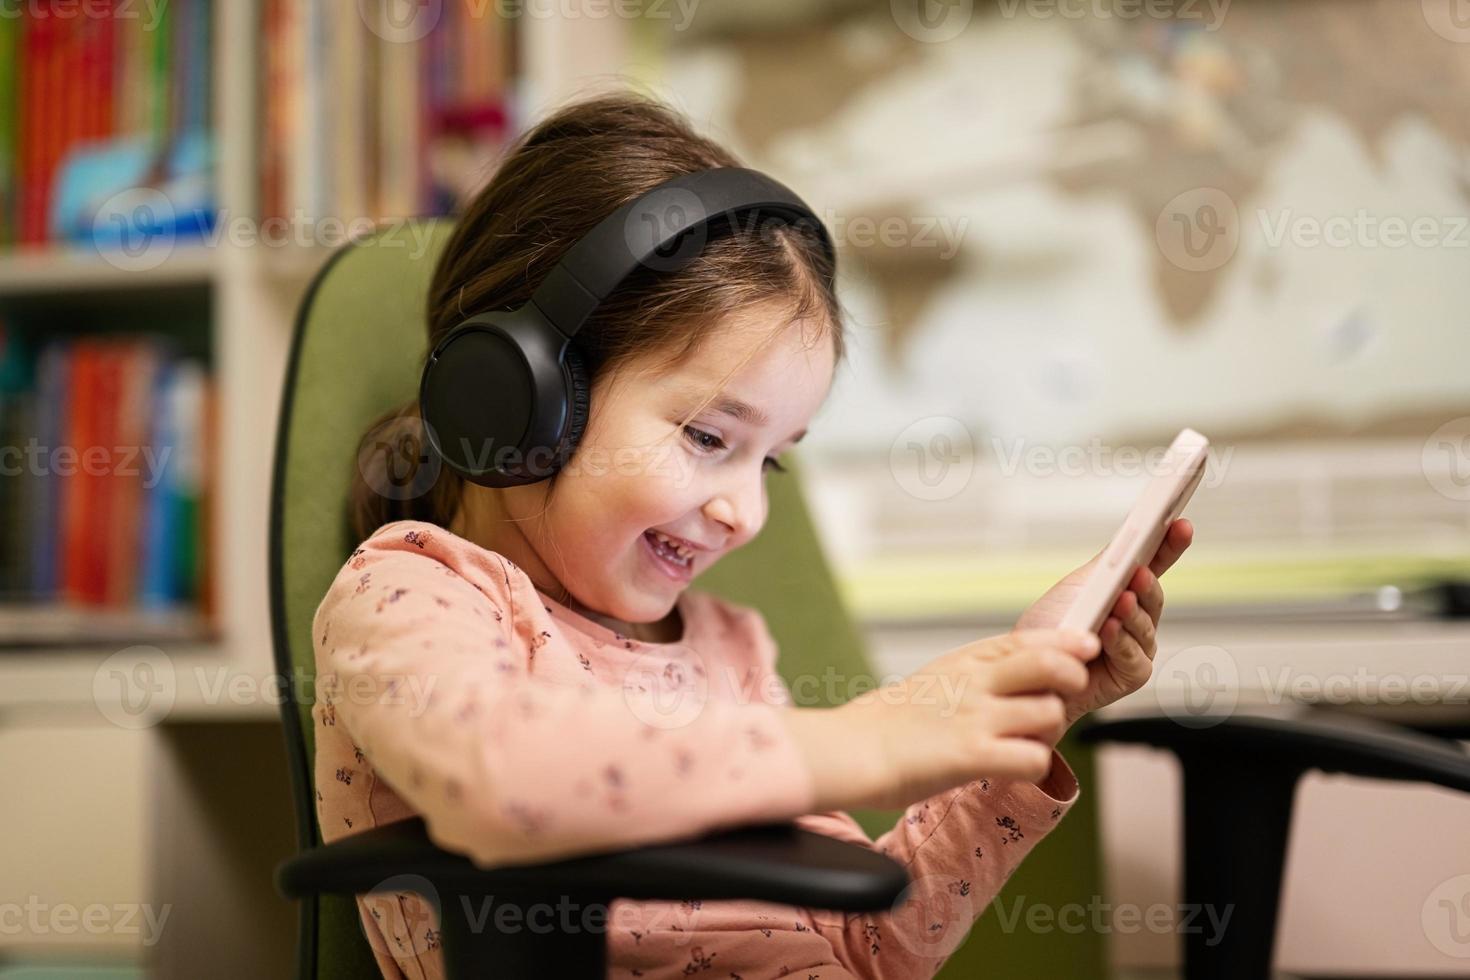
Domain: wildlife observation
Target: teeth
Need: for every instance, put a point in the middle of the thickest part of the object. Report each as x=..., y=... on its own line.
x=683, y=551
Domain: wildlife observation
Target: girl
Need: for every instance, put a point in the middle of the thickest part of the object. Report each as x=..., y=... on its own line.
x=530, y=636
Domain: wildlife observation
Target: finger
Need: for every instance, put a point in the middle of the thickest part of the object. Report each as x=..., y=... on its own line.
x=1137, y=624
x=1145, y=586
x=1079, y=643
x=1124, y=654
x=1176, y=539
x=1045, y=670
x=1038, y=714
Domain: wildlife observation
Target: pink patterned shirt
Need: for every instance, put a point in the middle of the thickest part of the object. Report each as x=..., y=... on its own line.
x=449, y=687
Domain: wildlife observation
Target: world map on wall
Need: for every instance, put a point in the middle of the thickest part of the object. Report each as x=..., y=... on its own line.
x=1087, y=155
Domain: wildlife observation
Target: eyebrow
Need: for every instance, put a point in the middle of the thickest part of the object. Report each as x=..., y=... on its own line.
x=745, y=412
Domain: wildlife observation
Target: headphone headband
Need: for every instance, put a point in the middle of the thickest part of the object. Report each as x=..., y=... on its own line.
x=504, y=395
x=664, y=229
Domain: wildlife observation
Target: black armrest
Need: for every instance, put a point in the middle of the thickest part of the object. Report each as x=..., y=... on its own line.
x=1240, y=774
x=1301, y=738
x=766, y=862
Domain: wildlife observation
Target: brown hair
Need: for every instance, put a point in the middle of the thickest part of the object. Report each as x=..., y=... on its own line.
x=553, y=185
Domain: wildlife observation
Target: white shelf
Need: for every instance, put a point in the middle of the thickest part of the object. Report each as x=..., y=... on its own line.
x=58, y=624
x=136, y=690
x=60, y=270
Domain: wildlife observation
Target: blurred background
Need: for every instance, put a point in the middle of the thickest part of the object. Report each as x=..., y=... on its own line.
x=1067, y=229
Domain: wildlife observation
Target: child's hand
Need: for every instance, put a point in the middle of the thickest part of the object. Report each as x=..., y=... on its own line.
x=989, y=708
x=1128, y=635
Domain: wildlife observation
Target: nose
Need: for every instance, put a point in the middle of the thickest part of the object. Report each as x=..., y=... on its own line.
x=739, y=503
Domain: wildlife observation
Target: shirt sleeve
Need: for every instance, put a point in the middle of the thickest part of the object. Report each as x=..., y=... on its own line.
x=959, y=848
x=426, y=671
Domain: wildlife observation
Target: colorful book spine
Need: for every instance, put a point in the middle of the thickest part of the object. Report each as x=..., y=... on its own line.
x=71, y=85
x=53, y=398
x=9, y=120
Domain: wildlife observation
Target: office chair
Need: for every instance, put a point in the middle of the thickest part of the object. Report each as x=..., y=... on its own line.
x=1240, y=772
x=358, y=345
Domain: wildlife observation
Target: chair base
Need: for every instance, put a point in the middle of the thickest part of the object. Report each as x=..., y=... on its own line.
x=524, y=937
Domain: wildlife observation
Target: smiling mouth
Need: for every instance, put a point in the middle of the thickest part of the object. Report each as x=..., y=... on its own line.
x=669, y=557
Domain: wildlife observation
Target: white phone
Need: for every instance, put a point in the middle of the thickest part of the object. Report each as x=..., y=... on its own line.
x=1142, y=532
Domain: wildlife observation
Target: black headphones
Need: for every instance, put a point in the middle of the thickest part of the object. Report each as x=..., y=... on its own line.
x=504, y=395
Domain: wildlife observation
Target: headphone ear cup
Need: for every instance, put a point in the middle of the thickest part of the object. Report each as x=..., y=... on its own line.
x=581, y=397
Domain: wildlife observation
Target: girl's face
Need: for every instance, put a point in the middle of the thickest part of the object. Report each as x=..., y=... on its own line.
x=638, y=469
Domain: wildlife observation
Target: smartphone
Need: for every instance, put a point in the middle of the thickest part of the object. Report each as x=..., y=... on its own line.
x=1142, y=532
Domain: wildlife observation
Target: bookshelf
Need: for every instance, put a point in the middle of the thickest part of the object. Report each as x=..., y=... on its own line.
x=203, y=851
x=245, y=293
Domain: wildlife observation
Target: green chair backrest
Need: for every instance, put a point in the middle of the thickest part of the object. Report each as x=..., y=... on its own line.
x=359, y=347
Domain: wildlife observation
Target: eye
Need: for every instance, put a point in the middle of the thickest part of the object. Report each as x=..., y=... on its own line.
x=710, y=441
x=698, y=437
